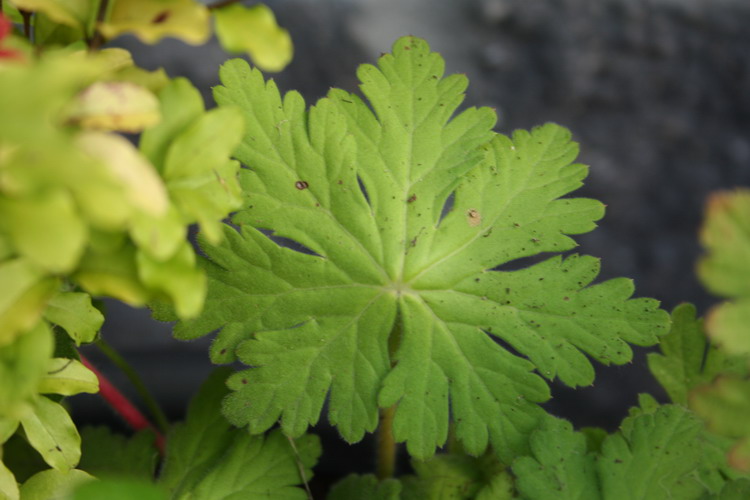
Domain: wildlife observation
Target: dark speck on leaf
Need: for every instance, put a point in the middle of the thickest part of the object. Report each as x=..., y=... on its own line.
x=412, y=199
x=244, y=381
x=160, y=17
x=301, y=185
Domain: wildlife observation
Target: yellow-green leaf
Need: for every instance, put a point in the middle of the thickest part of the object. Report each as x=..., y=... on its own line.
x=25, y=291
x=254, y=30
x=50, y=430
x=53, y=484
x=74, y=312
x=113, y=272
x=75, y=13
x=151, y=20
x=178, y=278
x=728, y=324
x=22, y=365
x=139, y=179
x=46, y=228
x=8, y=486
x=122, y=106
x=68, y=377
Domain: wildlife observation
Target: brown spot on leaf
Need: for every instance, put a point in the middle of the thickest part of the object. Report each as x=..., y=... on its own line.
x=301, y=185
x=412, y=199
x=160, y=17
x=473, y=217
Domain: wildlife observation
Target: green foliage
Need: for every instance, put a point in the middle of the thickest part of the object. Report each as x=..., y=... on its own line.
x=395, y=304
x=365, y=487
x=209, y=459
x=661, y=453
x=85, y=212
x=688, y=360
x=106, y=454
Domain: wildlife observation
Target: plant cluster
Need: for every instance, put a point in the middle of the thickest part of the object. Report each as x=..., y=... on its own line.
x=368, y=264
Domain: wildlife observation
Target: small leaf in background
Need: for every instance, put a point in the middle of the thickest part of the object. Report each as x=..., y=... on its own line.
x=8, y=486
x=687, y=359
x=659, y=456
x=151, y=21
x=459, y=477
x=53, y=484
x=725, y=406
x=121, y=106
x=26, y=290
x=50, y=430
x=190, y=149
x=366, y=487
x=177, y=278
x=560, y=468
x=74, y=312
x=208, y=459
x=45, y=228
x=74, y=13
x=138, y=177
x=254, y=30
x=23, y=363
x=68, y=377
x=118, y=489
x=725, y=269
x=107, y=454
x=728, y=324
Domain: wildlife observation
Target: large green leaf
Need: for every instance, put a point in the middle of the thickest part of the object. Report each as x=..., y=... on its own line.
x=106, y=454
x=388, y=303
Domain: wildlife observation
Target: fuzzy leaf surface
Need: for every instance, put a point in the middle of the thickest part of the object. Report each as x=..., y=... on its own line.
x=387, y=302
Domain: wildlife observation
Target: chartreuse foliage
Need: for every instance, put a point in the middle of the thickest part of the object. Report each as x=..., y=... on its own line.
x=725, y=403
x=251, y=30
x=388, y=303
x=84, y=211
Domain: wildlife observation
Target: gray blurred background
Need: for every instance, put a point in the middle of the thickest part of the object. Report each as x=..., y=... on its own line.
x=657, y=92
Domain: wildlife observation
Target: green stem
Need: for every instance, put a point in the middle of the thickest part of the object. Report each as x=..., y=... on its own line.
x=387, y=448
x=156, y=412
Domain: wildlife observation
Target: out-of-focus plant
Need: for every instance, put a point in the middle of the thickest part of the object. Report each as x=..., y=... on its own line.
x=84, y=211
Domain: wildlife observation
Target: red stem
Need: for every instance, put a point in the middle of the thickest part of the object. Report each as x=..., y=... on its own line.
x=122, y=405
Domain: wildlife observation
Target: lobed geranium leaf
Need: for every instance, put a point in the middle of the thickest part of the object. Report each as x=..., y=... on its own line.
x=208, y=459
x=687, y=359
x=107, y=454
x=659, y=456
x=387, y=302
x=560, y=468
x=458, y=476
x=254, y=30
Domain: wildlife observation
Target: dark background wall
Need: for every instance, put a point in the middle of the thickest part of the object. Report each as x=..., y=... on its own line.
x=657, y=92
